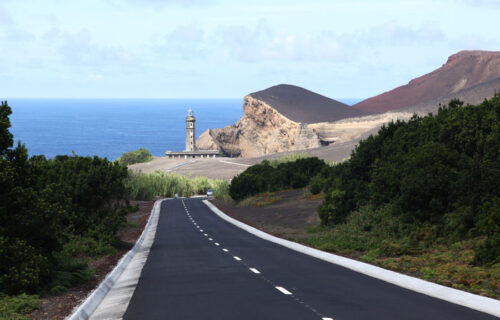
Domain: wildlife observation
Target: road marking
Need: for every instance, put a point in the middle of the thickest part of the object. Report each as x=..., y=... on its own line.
x=254, y=270
x=216, y=243
x=201, y=230
x=225, y=250
x=283, y=290
x=210, y=239
x=237, y=258
x=206, y=235
x=326, y=318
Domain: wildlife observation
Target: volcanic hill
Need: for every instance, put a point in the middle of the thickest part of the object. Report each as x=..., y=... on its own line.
x=277, y=119
x=467, y=75
x=304, y=106
x=287, y=118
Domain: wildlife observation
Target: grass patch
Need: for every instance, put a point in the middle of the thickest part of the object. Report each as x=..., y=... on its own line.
x=17, y=307
x=289, y=158
x=137, y=156
x=148, y=186
x=378, y=237
x=260, y=200
x=318, y=196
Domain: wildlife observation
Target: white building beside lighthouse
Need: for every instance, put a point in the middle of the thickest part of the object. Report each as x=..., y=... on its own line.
x=191, y=151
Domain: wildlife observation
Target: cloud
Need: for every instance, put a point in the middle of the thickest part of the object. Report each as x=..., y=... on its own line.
x=95, y=77
x=5, y=18
x=16, y=35
x=78, y=49
x=160, y=4
x=393, y=33
x=486, y=3
x=264, y=43
x=184, y=42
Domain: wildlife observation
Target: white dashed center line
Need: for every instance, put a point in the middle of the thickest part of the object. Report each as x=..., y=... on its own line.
x=254, y=270
x=283, y=290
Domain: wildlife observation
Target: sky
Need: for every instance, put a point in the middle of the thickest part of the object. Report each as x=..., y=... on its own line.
x=229, y=48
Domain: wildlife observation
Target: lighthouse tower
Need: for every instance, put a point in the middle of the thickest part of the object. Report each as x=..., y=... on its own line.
x=190, y=144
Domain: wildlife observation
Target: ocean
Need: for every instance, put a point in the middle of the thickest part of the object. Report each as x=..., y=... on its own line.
x=110, y=127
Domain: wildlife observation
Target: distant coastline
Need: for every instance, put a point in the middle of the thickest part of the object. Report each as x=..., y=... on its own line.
x=110, y=127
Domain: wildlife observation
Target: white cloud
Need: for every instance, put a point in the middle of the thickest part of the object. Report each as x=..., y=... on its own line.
x=184, y=42
x=160, y=4
x=5, y=18
x=78, y=49
x=96, y=77
x=264, y=43
x=393, y=33
x=16, y=35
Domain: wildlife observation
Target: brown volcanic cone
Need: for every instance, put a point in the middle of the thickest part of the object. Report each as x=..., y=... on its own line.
x=462, y=71
x=301, y=105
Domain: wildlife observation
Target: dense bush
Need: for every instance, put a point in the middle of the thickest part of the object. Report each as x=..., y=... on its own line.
x=47, y=203
x=441, y=169
x=136, y=156
x=18, y=307
x=267, y=176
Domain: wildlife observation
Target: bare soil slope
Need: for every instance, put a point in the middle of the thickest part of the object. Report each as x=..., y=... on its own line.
x=463, y=71
x=304, y=106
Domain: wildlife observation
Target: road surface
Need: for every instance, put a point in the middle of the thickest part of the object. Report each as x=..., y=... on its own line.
x=202, y=267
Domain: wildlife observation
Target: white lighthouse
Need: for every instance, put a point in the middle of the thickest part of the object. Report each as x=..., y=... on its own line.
x=190, y=134
x=191, y=151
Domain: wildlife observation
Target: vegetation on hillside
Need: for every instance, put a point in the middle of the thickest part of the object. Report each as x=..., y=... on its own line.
x=137, y=156
x=265, y=177
x=54, y=214
x=438, y=173
x=420, y=196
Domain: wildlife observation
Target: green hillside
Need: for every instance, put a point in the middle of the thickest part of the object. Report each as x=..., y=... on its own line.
x=420, y=197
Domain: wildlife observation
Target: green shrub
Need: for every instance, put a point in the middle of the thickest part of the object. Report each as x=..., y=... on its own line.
x=489, y=225
x=266, y=177
x=440, y=170
x=136, y=156
x=45, y=203
x=22, y=268
x=18, y=307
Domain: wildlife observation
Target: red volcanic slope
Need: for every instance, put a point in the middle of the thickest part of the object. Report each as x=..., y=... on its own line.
x=462, y=71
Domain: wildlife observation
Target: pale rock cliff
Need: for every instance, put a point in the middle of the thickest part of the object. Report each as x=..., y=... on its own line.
x=260, y=131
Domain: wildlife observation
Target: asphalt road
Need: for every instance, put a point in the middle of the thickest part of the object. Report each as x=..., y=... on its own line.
x=202, y=267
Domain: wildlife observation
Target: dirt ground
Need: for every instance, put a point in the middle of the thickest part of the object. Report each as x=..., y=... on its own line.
x=227, y=168
x=286, y=217
x=60, y=306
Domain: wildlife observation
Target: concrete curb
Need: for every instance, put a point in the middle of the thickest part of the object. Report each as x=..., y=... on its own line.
x=472, y=301
x=87, y=307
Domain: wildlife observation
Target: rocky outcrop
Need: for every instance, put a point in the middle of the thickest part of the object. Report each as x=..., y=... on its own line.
x=260, y=131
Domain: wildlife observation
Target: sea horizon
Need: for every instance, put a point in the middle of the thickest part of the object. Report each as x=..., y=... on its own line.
x=108, y=127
